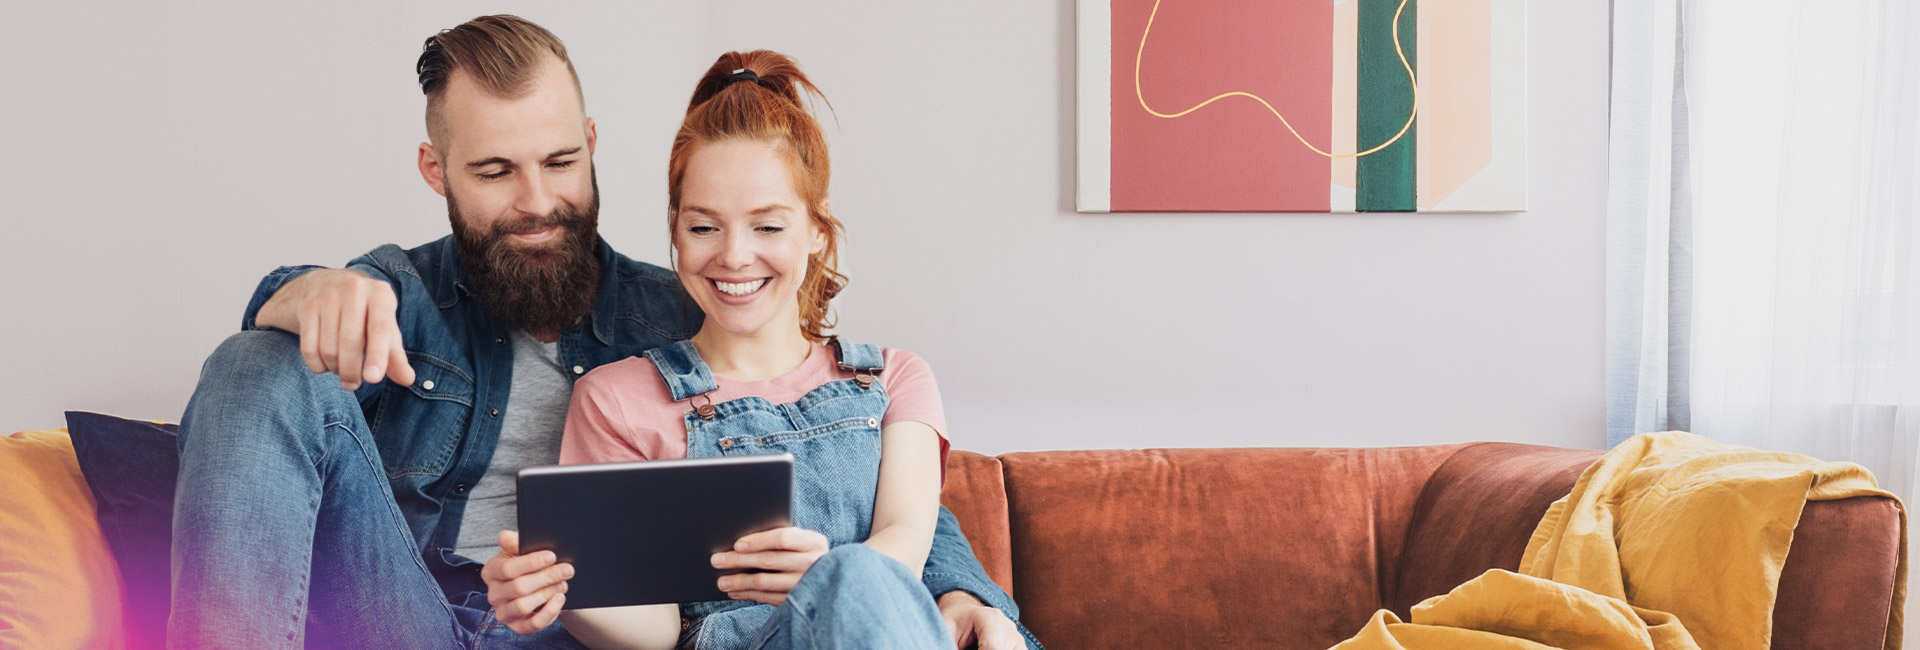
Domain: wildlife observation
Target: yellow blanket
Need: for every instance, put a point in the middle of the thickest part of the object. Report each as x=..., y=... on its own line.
x=1669, y=542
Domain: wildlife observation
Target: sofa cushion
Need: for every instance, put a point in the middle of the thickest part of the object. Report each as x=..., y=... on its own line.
x=61, y=589
x=130, y=467
x=1208, y=548
x=1477, y=513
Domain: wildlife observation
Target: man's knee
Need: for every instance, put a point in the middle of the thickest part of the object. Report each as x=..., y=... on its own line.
x=253, y=352
x=255, y=378
x=260, y=361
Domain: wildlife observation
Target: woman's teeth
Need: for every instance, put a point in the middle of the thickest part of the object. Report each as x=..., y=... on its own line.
x=739, y=288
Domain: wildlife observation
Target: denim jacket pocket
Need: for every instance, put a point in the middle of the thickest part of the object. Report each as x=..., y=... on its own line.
x=419, y=426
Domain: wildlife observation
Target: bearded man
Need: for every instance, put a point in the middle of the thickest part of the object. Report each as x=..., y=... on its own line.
x=348, y=459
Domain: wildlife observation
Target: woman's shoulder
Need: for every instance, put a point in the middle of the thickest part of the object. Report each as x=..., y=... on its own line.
x=630, y=379
x=628, y=369
x=892, y=360
x=895, y=357
x=905, y=369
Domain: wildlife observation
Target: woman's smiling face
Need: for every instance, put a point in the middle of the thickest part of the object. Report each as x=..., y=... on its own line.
x=743, y=236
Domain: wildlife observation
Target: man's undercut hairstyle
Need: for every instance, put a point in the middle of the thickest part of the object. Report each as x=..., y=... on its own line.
x=501, y=53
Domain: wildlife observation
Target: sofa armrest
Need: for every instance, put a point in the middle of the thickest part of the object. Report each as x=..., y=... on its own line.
x=1837, y=585
x=976, y=492
x=1480, y=507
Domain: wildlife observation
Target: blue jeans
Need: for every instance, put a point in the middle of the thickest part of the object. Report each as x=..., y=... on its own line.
x=286, y=533
x=853, y=597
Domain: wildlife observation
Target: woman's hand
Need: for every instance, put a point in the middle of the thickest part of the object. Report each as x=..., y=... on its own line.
x=784, y=554
x=526, y=591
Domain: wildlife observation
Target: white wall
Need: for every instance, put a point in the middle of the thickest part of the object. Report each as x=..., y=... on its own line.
x=155, y=162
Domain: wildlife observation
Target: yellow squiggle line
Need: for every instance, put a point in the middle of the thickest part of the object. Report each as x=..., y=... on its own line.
x=1411, y=81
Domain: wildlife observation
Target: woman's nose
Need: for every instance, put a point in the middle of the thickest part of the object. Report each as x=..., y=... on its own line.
x=738, y=251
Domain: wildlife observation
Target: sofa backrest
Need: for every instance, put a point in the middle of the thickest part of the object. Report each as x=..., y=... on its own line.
x=1208, y=548
x=1295, y=548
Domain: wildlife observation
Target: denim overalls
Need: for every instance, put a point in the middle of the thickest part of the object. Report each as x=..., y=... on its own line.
x=833, y=433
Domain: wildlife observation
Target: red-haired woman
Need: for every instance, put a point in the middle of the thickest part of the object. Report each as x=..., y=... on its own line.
x=757, y=247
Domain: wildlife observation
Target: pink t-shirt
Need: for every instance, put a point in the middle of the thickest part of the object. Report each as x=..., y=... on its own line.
x=622, y=411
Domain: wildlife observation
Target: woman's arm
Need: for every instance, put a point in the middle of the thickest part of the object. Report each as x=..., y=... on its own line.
x=641, y=627
x=907, y=503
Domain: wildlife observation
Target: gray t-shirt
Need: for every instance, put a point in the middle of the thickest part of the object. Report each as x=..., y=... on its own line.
x=529, y=436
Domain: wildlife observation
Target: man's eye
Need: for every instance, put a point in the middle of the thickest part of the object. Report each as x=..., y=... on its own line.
x=560, y=164
x=494, y=176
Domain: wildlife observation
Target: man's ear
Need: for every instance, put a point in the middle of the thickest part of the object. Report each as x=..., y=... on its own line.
x=593, y=136
x=431, y=170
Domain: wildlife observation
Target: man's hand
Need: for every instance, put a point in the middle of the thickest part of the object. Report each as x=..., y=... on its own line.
x=526, y=591
x=784, y=554
x=345, y=321
x=973, y=622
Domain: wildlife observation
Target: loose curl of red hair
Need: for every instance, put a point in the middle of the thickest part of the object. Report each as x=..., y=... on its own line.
x=769, y=109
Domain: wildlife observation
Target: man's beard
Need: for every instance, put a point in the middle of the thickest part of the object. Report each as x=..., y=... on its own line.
x=545, y=289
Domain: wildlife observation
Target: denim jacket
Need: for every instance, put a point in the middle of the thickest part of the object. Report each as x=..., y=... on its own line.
x=437, y=436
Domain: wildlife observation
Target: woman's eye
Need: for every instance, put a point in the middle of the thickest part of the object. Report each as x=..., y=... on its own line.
x=772, y=229
x=702, y=230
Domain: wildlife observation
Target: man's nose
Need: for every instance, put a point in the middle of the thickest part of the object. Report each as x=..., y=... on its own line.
x=536, y=197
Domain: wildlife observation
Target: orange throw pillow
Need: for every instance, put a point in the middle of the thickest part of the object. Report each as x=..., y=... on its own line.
x=59, y=586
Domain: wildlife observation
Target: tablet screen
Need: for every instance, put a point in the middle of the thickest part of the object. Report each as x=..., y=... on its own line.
x=644, y=533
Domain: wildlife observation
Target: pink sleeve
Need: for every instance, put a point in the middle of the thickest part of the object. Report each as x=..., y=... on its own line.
x=912, y=396
x=598, y=430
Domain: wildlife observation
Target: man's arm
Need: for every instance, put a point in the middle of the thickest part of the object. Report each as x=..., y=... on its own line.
x=951, y=567
x=977, y=611
x=345, y=319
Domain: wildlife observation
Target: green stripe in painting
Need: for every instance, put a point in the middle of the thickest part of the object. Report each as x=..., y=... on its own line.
x=1385, y=178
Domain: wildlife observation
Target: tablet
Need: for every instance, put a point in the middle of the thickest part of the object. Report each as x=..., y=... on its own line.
x=644, y=533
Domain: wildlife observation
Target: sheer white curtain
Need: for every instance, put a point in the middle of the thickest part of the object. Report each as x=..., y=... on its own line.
x=1805, y=131
x=1795, y=158
x=1649, y=223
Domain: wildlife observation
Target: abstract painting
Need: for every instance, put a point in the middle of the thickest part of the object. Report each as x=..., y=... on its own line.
x=1302, y=106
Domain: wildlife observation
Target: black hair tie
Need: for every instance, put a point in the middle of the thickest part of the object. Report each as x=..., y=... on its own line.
x=743, y=74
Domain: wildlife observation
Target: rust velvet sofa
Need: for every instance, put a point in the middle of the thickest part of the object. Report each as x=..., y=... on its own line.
x=1177, y=548
x=1296, y=548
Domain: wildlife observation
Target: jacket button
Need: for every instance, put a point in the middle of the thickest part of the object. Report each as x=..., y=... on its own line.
x=493, y=412
x=579, y=370
x=873, y=422
x=460, y=489
x=426, y=385
x=726, y=444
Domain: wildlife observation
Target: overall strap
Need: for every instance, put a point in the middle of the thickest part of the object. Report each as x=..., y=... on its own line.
x=858, y=357
x=683, y=369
